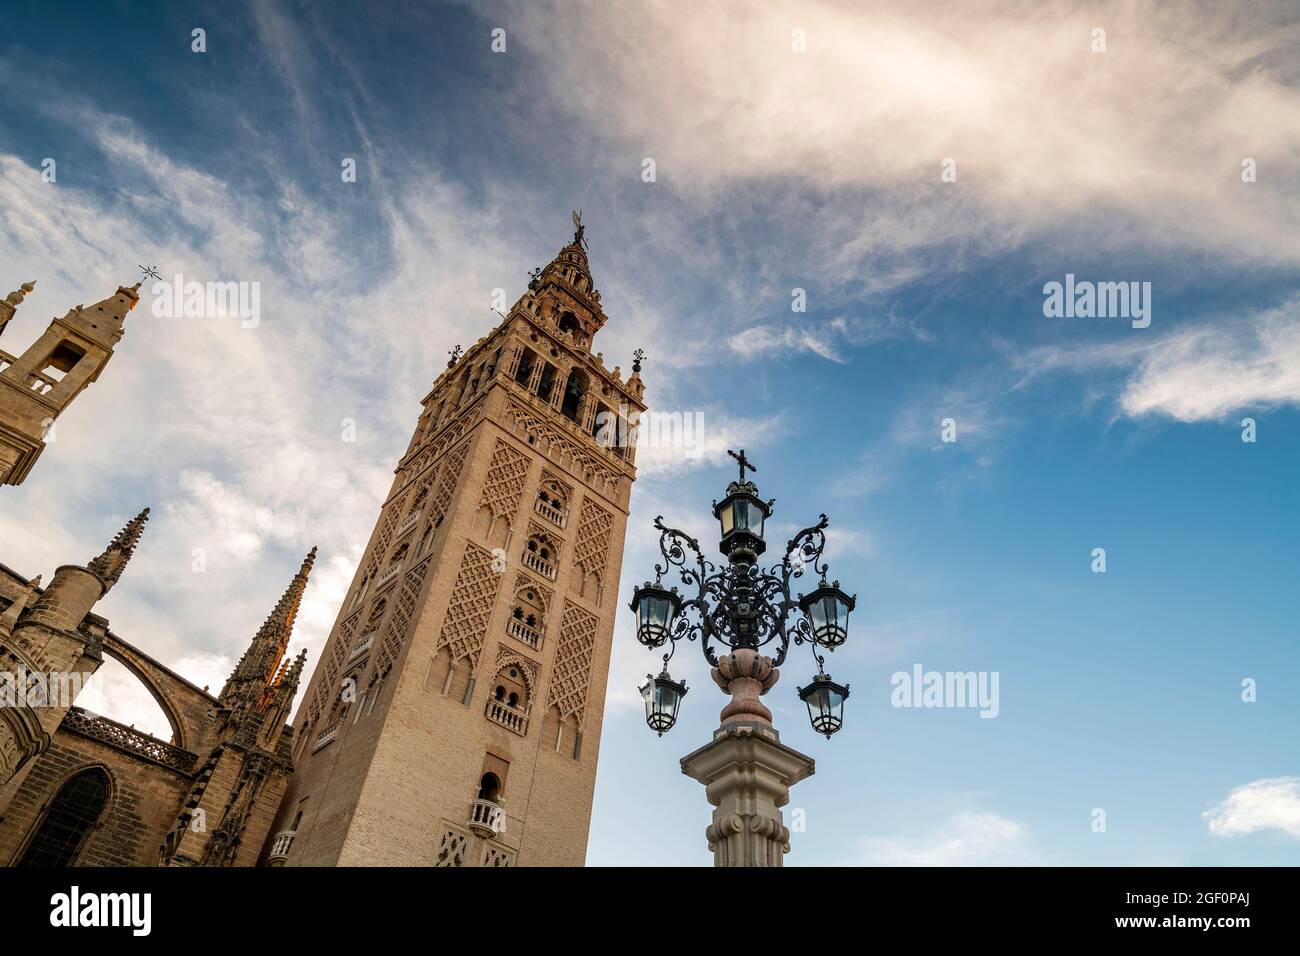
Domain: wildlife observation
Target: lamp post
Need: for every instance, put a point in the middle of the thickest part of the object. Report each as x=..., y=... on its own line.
x=741, y=609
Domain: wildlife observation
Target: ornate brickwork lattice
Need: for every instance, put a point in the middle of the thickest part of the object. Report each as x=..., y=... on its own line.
x=400, y=622
x=555, y=445
x=498, y=856
x=452, y=848
x=572, y=670
x=472, y=597
x=333, y=665
x=591, y=550
x=447, y=485
x=392, y=514
x=435, y=445
x=505, y=481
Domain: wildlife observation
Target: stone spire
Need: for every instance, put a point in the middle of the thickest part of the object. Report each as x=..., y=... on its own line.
x=9, y=304
x=109, y=565
x=260, y=667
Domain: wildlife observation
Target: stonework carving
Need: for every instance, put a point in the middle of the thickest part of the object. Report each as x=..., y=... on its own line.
x=591, y=551
x=472, y=598
x=571, y=673
x=505, y=482
x=447, y=485
x=530, y=669
x=496, y=855
x=452, y=848
x=566, y=451
x=401, y=619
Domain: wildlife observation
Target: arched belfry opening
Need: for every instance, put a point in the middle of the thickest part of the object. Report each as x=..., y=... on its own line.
x=575, y=390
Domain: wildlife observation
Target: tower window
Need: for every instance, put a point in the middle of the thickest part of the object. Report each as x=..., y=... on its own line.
x=525, y=370
x=489, y=787
x=546, y=383
x=569, y=322
x=575, y=390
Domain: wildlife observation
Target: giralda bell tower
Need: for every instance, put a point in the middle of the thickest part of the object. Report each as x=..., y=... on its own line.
x=454, y=716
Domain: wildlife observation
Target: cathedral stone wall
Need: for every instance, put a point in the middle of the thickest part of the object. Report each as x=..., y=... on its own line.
x=143, y=800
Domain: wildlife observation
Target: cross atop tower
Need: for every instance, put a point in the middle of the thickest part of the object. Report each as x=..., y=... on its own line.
x=744, y=462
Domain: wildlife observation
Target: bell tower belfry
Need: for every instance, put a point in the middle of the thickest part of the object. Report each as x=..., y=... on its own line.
x=454, y=716
x=37, y=386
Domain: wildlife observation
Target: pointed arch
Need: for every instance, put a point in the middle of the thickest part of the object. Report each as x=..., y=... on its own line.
x=68, y=819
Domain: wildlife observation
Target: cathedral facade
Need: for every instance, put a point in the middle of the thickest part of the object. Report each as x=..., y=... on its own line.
x=77, y=788
x=454, y=717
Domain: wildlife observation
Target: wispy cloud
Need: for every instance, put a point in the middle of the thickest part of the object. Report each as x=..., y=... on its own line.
x=1269, y=804
x=1201, y=372
x=969, y=838
x=883, y=94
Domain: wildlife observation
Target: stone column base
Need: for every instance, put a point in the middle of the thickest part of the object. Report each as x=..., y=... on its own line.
x=747, y=775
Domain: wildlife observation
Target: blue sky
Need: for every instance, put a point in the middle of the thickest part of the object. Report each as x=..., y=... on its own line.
x=775, y=170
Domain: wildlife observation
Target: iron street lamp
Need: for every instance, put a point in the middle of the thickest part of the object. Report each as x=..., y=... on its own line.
x=662, y=696
x=744, y=609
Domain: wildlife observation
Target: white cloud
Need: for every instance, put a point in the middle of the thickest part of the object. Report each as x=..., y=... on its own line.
x=887, y=91
x=1209, y=372
x=1197, y=373
x=969, y=838
x=233, y=435
x=1270, y=803
x=672, y=441
x=765, y=340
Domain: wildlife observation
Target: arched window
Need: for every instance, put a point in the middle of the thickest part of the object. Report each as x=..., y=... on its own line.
x=72, y=814
x=568, y=322
x=525, y=370
x=546, y=383
x=575, y=390
x=540, y=547
x=489, y=787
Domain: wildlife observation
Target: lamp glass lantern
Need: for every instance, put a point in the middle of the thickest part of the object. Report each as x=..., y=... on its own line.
x=825, y=701
x=827, y=610
x=741, y=516
x=662, y=696
x=655, y=607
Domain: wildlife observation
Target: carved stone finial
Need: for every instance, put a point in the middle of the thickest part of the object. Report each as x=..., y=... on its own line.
x=16, y=297
x=746, y=675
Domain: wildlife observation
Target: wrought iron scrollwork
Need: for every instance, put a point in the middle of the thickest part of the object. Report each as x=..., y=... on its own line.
x=740, y=605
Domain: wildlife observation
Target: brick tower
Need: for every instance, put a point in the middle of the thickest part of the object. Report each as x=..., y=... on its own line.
x=454, y=717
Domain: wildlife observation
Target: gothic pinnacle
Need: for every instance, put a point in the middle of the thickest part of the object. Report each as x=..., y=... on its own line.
x=286, y=610
x=109, y=565
x=262, y=663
